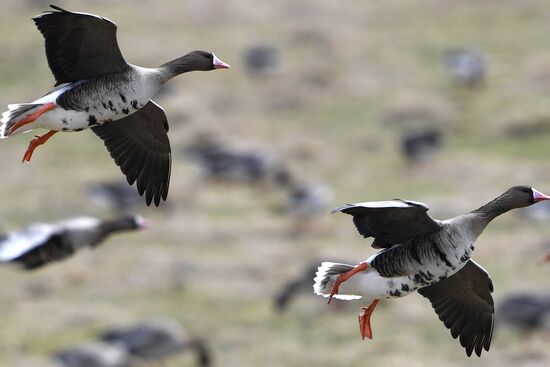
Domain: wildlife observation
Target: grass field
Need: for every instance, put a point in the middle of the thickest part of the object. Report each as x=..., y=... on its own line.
x=215, y=261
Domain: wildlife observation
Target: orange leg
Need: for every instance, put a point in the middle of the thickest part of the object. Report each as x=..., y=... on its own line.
x=32, y=117
x=364, y=320
x=343, y=277
x=39, y=140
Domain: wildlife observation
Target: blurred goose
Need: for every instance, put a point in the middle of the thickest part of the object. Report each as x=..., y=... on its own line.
x=96, y=88
x=525, y=311
x=305, y=205
x=431, y=256
x=291, y=289
x=157, y=340
x=308, y=201
x=114, y=195
x=262, y=59
x=220, y=162
x=417, y=145
x=93, y=354
x=43, y=243
x=301, y=284
x=466, y=67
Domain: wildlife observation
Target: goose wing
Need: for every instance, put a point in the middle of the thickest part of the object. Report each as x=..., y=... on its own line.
x=79, y=45
x=391, y=222
x=140, y=147
x=464, y=303
x=16, y=244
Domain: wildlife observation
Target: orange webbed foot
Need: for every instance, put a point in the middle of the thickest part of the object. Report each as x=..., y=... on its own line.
x=38, y=140
x=364, y=320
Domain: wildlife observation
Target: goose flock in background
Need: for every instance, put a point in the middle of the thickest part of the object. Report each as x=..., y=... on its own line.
x=223, y=163
x=95, y=88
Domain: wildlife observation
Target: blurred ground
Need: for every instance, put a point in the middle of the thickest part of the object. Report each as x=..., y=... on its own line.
x=352, y=75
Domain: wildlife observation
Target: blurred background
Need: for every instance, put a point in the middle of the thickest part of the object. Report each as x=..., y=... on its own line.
x=439, y=101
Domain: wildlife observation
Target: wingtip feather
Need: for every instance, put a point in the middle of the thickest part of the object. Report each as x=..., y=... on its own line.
x=340, y=208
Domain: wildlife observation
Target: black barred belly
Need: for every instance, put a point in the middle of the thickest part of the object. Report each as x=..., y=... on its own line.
x=415, y=265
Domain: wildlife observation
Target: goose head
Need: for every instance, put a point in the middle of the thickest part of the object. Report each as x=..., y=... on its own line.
x=204, y=61
x=127, y=222
x=135, y=222
x=197, y=60
x=522, y=196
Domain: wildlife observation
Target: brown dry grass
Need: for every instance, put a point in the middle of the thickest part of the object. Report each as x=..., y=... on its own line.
x=215, y=262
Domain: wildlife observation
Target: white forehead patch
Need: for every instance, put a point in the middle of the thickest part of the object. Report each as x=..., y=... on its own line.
x=215, y=60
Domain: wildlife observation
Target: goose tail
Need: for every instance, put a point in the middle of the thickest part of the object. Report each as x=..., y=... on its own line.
x=15, y=113
x=326, y=275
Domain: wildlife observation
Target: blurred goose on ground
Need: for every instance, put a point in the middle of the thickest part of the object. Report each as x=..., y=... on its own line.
x=417, y=145
x=156, y=341
x=306, y=204
x=42, y=243
x=96, y=88
x=309, y=200
x=93, y=354
x=224, y=163
x=117, y=196
x=262, y=59
x=431, y=256
x=301, y=284
x=525, y=311
x=466, y=67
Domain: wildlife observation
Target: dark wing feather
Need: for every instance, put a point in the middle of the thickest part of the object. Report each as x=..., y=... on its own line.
x=79, y=45
x=54, y=249
x=464, y=303
x=140, y=147
x=391, y=222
